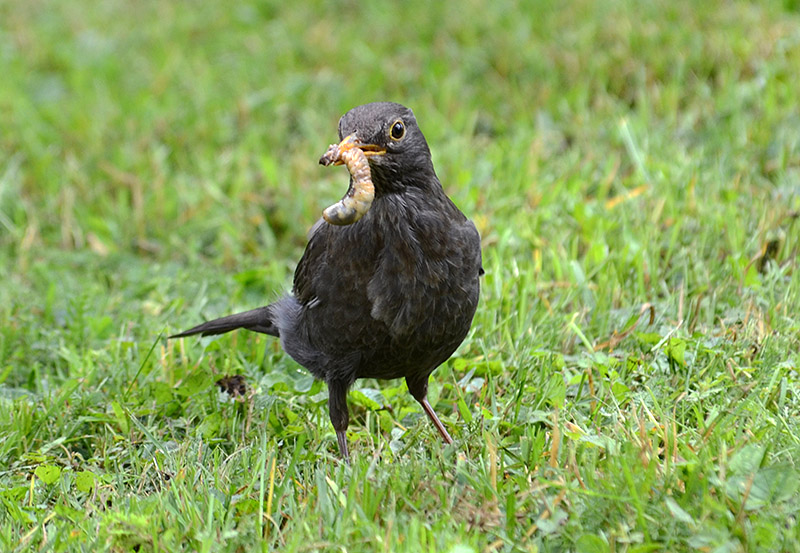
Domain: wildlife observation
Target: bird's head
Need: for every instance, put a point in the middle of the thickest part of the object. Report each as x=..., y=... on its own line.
x=388, y=135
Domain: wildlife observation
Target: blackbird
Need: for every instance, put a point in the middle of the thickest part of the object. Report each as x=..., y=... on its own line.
x=391, y=295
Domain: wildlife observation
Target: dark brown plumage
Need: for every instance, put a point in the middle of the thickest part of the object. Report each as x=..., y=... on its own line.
x=389, y=296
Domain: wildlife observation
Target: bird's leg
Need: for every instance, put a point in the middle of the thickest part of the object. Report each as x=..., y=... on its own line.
x=419, y=389
x=337, y=406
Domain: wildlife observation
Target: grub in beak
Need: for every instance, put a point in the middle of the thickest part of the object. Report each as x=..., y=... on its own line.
x=358, y=199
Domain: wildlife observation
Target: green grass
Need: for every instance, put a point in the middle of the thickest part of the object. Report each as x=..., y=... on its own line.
x=631, y=381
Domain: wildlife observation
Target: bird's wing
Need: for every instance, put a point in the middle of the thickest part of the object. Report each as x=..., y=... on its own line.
x=335, y=269
x=431, y=266
x=312, y=256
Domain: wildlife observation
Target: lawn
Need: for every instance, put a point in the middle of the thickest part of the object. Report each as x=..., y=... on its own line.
x=631, y=382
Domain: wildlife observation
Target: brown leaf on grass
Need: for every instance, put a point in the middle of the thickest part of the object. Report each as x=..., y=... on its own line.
x=234, y=385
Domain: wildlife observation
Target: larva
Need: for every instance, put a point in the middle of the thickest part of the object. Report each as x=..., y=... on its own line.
x=358, y=199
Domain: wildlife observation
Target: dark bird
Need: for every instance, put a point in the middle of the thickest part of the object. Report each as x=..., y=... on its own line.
x=391, y=295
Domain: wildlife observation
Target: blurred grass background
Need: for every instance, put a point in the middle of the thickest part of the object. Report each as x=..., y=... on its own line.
x=158, y=165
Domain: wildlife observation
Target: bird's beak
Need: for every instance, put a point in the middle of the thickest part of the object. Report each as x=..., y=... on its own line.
x=352, y=141
x=371, y=149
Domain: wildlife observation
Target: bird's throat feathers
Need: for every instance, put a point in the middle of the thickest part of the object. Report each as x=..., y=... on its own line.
x=389, y=179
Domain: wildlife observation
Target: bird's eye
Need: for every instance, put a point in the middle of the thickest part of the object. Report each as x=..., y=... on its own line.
x=398, y=130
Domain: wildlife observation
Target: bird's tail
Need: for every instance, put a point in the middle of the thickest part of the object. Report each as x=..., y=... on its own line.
x=257, y=320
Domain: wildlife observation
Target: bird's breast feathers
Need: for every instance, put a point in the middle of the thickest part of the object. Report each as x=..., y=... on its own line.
x=426, y=268
x=410, y=264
